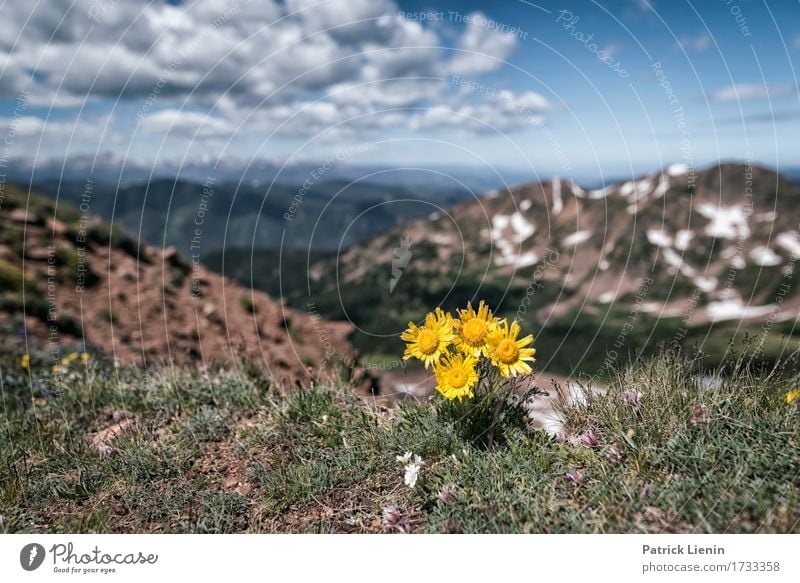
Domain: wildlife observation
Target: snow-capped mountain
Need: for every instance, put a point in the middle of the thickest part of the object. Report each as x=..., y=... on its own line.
x=699, y=248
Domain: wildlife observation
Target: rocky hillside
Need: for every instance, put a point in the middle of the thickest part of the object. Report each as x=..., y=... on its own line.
x=69, y=282
x=712, y=248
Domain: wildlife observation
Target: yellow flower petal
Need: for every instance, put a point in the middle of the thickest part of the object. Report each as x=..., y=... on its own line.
x=456, y=376
x=507, y=353
x=429, y=342
x=473, y=330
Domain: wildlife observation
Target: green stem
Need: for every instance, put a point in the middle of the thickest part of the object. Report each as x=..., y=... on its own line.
x=494, y=394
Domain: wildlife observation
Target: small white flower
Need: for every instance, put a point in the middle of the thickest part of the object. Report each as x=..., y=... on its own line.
x=411, y=475
x=412, y=465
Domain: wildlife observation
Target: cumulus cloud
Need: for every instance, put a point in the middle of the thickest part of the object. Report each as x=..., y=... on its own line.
x=484, y=48
x=212, y=68
x=188, y=123
x=247, y=49
x=503, y=111
x=27, y=133
x=749, y=92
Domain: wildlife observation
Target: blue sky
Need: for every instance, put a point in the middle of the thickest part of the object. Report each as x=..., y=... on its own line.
x=535, y=86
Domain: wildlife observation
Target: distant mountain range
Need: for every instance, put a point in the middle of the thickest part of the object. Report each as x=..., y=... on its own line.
x=322, y=205
x=116, y=170
x=198, y=218
x=694, y=258
x=697, y=258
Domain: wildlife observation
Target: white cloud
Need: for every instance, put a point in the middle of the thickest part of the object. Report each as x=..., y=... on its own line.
x=22, y=126
x=204, y=49
x=747, y=92
x=609, y=51
x=698, y=43
x=484, y=48
x=28, y=134
x=504, y=112
x=187, y=123
x=215, y=68
x=529, y=100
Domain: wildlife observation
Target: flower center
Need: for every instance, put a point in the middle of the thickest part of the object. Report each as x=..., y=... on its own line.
x=427, y=341
x=474, y=331
x=457, y=378
x=507, y=351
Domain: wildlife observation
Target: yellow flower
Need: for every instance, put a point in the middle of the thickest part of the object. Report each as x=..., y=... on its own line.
x=429, y=342
x=473, y=330
x=792, y=396
x=509, y=354
x=72, y=356
x=56, y=369
x=25, y=361
x=85, y=357
x=455, y=376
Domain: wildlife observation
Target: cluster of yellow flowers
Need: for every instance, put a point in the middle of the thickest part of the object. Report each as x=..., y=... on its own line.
x=25, y=361
x=792, y=396
x=454, y=346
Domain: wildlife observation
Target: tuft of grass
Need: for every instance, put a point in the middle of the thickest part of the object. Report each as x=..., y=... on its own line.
x=246, y=303
x=226, y=451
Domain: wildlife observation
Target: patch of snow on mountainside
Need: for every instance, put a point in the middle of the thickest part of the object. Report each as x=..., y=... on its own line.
x=527, y=259
x=682, y=239
x=601, y=192
x=677, y=262
x=508, y=256
x=643, y=188
x=659, y=237
x=735, y=256
x=576, y=190
x=444, y=239
x=607, y=297
x=706, y=284
x=576, y=238
x=767, y=217
x=508, y=243
x=500, y=224
x=522, y=227
x=662, y=188
x=735, y=309
x=790, y=241
x=558, y=204
x=649, y=307
x=677, y=169
x=765, y=257
x=725, y=222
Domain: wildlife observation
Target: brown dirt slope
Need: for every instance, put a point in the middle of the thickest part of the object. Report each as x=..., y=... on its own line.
x=68, y=277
